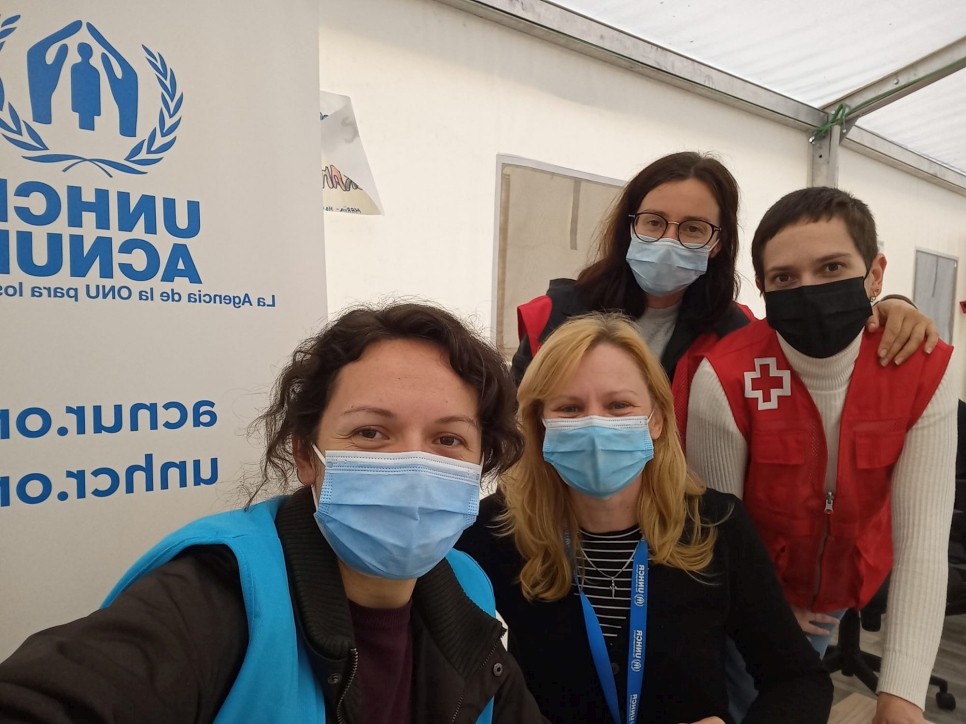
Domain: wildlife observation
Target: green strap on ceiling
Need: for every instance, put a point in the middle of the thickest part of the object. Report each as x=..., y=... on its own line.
x=842, y=112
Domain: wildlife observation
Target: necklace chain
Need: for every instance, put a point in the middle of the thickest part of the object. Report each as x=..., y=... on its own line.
x=612, y=579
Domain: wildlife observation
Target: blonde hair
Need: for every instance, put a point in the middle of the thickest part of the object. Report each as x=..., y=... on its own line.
x=539, y=509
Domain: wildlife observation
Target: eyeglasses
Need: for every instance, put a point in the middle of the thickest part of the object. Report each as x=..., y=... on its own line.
x=692, y=234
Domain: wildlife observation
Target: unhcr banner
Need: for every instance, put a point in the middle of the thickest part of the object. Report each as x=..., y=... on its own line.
x=160, y=254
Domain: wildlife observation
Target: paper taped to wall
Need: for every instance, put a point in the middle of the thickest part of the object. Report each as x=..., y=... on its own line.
x=347, y=183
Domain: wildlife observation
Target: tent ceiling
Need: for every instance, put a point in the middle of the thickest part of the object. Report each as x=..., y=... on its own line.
x=816, y=53
x=929, y=121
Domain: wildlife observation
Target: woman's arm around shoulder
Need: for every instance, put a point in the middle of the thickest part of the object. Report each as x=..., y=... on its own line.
x=793, y=685
x=906, y=329
x=167, y=649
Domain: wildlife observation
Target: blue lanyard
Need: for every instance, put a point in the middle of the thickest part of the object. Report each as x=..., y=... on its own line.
x=635, y=644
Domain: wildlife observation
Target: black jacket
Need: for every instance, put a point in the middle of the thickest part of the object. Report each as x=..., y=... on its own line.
x=169, y=648
x=689, y=616
x=567, y=302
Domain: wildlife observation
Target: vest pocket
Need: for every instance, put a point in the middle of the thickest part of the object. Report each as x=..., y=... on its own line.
x=777, y=459
x=878, y=449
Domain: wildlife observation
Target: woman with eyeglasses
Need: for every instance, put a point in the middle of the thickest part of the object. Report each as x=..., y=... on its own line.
x=618, y=574
x=666, y=258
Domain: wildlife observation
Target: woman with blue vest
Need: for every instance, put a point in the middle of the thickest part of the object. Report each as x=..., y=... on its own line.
x=341, y=602
x=618, y=574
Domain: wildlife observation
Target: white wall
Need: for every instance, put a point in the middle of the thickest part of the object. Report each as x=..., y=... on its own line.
x=438, y=93
x=911, y=213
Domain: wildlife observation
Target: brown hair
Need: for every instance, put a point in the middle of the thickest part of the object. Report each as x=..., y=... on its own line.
x=819, y=203
x=302, y=391
x=539, y=508
x=608, y=284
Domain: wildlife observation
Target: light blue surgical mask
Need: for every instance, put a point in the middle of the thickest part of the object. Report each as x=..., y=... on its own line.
x=663, y=266
x=395, y=515
x=598, y=456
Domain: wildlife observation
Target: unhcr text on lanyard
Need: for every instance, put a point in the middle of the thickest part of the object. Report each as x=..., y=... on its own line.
x=635, y=644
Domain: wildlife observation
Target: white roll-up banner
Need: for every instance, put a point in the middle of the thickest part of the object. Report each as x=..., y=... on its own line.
x=161, y=255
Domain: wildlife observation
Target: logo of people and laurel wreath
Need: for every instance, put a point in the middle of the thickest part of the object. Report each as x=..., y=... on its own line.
x=43, y=77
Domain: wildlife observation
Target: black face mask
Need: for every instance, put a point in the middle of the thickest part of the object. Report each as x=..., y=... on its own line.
x=819, y=320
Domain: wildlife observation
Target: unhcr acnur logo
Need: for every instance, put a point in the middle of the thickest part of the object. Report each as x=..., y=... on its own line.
x=46, y=68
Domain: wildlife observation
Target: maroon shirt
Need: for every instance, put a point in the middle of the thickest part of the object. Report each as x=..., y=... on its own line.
x=385, y=644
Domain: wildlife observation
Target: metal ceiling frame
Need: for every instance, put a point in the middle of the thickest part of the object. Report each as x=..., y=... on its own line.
x=823, y=169
x=563, y=27
x=898, y=84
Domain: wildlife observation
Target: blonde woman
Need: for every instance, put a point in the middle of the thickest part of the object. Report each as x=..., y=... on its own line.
x=618, y=574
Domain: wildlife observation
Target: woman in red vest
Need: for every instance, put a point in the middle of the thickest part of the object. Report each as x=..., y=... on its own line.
x=846, y=466
x=667, y=259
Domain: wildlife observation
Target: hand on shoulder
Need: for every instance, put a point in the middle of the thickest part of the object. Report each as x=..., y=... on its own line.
x=905, y=330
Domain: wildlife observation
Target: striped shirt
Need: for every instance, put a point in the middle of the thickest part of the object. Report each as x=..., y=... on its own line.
x=607, y=576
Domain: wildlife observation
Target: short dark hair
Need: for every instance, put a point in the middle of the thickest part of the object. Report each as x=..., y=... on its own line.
x=819, y=203
x=303, y=389
x=608, y=284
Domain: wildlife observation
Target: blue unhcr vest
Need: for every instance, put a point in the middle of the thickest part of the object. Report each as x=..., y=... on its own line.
x=275, y=682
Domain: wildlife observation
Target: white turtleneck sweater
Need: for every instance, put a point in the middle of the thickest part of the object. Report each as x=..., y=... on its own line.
x=922, y=500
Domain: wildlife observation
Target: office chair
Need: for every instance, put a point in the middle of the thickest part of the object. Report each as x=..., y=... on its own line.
x=848, y=657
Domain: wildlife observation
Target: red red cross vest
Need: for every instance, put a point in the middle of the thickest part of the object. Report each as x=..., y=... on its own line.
x=830, y=552
x=684, y=372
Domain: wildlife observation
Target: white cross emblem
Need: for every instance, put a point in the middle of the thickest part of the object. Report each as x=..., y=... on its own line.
x=775, y=383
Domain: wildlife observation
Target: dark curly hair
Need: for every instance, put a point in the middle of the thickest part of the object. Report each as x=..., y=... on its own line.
x=302, y=392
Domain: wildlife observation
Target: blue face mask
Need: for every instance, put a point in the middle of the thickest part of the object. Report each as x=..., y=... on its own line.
x=598, y=456
x=395, y=515
x=663, y=266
